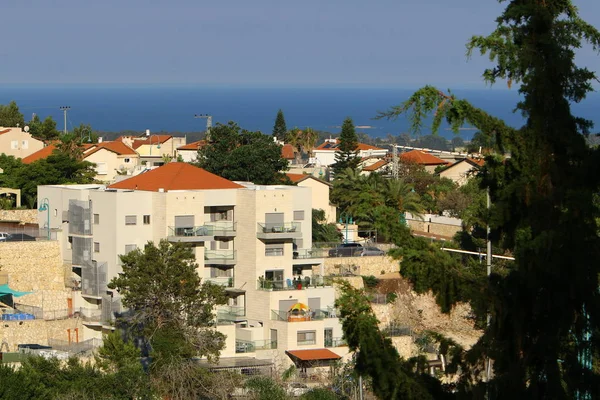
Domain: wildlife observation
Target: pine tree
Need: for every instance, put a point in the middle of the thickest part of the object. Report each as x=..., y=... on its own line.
x=10, y=116
x=279, y=129
x=545, y=312
x=346, y=155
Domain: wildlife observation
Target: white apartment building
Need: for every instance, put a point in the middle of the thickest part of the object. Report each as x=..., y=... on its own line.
x=254, y=240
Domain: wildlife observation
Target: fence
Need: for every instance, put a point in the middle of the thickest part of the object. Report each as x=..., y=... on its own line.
x=40, y=313
x=75, y=348
x=397, y=330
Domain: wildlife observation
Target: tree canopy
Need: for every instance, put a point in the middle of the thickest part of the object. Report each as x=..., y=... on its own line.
x=10, y=116
x=241, y=155
x=346, y=154
x=279, y=129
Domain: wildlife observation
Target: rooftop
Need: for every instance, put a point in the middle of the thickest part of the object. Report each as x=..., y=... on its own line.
x=39, y=155
x=152, y=140
x=117, y=147
x=175, y=176
x=422, y=158
x=330, y=145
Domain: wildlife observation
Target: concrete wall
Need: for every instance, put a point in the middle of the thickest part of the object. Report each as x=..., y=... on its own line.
x=372, y=265
x=320, y=198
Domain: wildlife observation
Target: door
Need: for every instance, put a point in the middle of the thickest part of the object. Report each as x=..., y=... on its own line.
x=273, y=338
x=184, y=224
x=328, y=337
x=273, y=222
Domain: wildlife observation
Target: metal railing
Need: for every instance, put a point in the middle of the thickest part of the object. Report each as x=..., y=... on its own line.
x=74, y=348
x=220, y=228
x=397, y=330
x=314, y=281
x=305, y=315
x=89, y=314
x=220, y=255
x=40, y=313
x=335, y=342
x=225, y=281
x=244, y=346
x=189, y=231
x=301, y=254
x=281, y=227
x=230, y=313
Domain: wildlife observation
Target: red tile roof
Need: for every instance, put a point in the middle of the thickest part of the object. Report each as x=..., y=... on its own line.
x=152, y=140
x=313, y=354
x=5, y=131
x=39, y=155
x=419, y=157
x=193, y=146
x=287, y=152
x=478, y=161
x=376, y=166
x=119, y=148
x=175, y=176
x=333, y=146
x=297, y=178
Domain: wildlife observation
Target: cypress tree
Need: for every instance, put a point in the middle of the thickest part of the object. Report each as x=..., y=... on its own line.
x=346, y=155
x=279, y=129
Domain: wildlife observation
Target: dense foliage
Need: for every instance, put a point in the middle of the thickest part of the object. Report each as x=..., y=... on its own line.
x=322, y=232
x=280, y=128
x=346, y=154
x=241, y=155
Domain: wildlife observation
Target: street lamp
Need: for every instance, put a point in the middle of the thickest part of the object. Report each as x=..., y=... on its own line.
x=45, y=206
x=346, y=218
x=148, y=135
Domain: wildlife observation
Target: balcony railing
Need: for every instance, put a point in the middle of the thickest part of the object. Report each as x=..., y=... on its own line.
x=226, y=281
x=230, y=313
x=221, y=228
x=302, y=315
x=220, y=256
x=335, y=342
x=191, y=232
x=302, y=254
x=314, y=281
x=280, y=230
x=244, y=346
x=90, y=315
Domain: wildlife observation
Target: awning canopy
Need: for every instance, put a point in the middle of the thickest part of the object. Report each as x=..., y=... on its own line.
x=312, y=355
x=299, y=306
x=5, y=290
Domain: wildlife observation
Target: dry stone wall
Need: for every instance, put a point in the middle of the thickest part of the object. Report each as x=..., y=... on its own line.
x=373, y=265
x=23, y=216
x=13, y=333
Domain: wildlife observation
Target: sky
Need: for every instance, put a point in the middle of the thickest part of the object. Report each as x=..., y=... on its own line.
x=350, y=43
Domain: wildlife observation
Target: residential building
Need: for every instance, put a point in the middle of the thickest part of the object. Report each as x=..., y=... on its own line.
x=324, y=154
x=462, y=170
x=320, y=194
x=375, y=165
x=189, y=152
x=155, y=150
x=18, y=143
x=254, y=240
x=111, y=159
x=426, y=160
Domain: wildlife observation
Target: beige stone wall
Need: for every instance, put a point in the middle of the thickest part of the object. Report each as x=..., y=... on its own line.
x=24, y=216
x=434, y=228
x=38, y=331
x=375, y=265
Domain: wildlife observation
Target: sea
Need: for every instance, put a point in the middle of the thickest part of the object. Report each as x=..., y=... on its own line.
x=163, y=108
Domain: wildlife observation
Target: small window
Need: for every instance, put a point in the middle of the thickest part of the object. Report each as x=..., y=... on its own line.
x=126, y=160
x=146, y=220
x=14, y=145
x=25, y=144
x=306, y=337
x=273, y=249
x=130, y=247
x=55, y=212
x=101, y=168
x=131, y=220
x=96, y=219
x=299, y=215
x=96, y=247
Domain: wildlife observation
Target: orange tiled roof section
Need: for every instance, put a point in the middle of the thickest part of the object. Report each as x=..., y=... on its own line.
x=5, y=131
x=175, y=176
x=333, y=146
x=478, y=161
x=40, y=154
x=419, y=157
x=376, y=166
x=119, y=148
x=193, y=146
x=287, y=151
x=297, y=177
x=152, y=140
x=313, y=354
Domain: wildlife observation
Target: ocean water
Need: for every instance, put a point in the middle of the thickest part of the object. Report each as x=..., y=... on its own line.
x=172, y=109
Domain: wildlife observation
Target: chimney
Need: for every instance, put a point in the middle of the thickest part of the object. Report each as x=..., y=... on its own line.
x=100, y=139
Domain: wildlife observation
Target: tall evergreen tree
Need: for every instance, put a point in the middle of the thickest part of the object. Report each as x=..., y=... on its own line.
x=10, y=116
x=279, y=129
x=346, y=155
x=545, y=312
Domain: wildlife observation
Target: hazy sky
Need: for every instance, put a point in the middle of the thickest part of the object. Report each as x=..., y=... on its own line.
x=250, y=42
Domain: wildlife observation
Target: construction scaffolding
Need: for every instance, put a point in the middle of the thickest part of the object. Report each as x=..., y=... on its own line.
x=81, y=251
x=93, y=279
x=80, y=217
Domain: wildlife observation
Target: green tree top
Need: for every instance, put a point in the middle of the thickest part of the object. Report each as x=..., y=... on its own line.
x=45, y=130
x=10, y=116
x=279, y=129
x=346, y=154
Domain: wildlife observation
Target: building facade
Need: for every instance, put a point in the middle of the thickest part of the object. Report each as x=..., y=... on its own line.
x=18, y=143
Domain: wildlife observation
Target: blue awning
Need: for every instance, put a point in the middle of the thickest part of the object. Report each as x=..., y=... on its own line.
x=5, y=290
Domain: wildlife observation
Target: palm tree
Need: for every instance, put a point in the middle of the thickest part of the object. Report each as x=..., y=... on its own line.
x=308, y=140
x=294, y=138
x=70, y=144
x=401, y=196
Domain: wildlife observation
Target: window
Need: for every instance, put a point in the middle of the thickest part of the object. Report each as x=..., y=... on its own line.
x=126, y=160
x=306, y=337
x=299, y=215
x=274, y=249
x=224, y=245
x=96, y=247
x=70, y=244
x=25, y=144
x=14, y=145
x=130, y=247
x=146, y=220
x=96, y=219
x=131, y=220
x=101, y=168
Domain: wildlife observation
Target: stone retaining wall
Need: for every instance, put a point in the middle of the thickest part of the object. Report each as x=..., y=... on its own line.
x=14, y=333
x=372, y=265
x=23, y=216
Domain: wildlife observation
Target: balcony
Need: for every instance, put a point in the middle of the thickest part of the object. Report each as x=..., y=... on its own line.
x=225, y=281
x=308, y=282
x=309, y=256
x=230, y=314
x=244, y=346
x=283, y=230
x=303, y=315
x=191, y=234
x=90, y=316
x=222, y=228
x=220, y=257
x=335, y=342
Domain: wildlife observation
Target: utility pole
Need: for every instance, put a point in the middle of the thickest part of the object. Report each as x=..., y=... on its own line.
x=208, y=123
x=488, y=366
x=395, y=165
x=64, y=110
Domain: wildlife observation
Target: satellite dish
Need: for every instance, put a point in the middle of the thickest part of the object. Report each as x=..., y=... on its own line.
x=26, y=129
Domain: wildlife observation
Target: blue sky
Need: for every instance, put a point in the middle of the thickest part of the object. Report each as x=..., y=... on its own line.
x=251, y=43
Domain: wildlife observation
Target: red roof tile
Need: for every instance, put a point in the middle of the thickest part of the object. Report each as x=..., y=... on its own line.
x=175, y=176
x=152, y=140
x=313, y=354
x=39, y=155
x=119, y=148
x=193, y=146
x=287, y=152
x=5, y=131
x=333, y=146
x=376, y=166
x=419, y=157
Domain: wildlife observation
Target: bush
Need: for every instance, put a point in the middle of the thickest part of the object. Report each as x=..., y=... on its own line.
x=370, y=281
